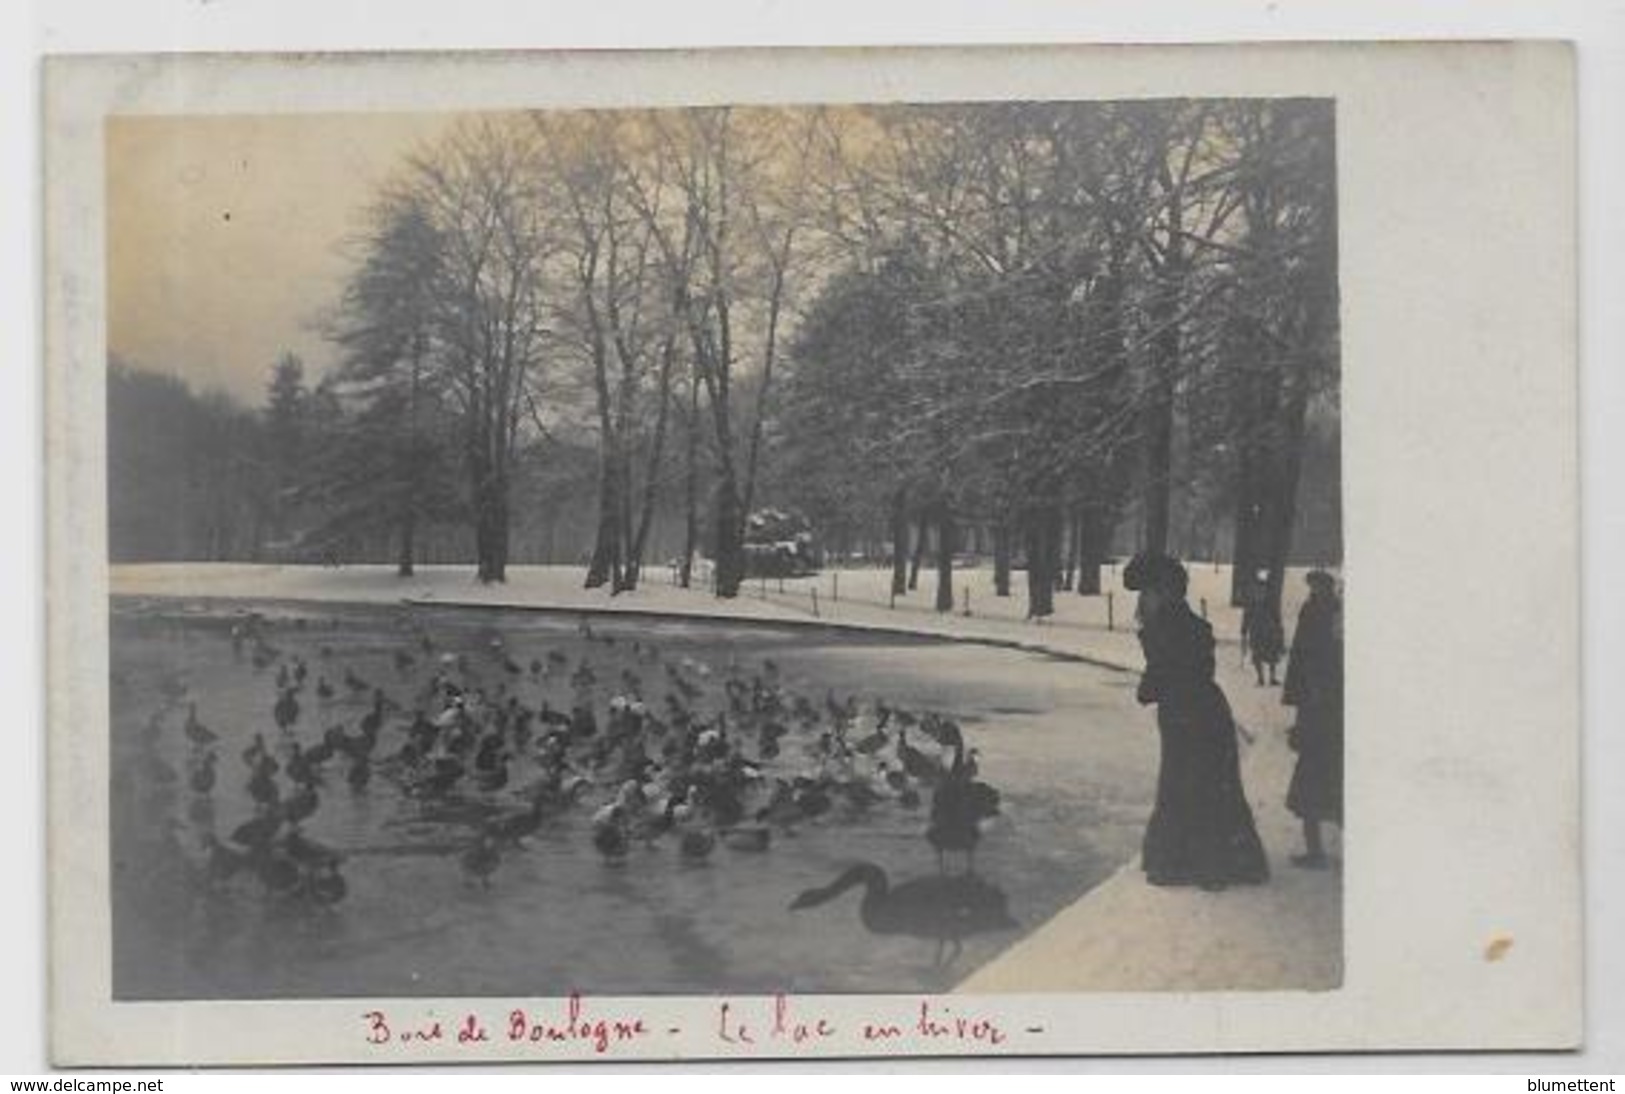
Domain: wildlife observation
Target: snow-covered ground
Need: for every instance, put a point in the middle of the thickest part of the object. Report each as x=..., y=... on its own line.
x=1099, y=628
x=1123, y=934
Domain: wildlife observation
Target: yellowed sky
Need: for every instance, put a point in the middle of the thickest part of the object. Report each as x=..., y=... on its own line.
x=225, y=235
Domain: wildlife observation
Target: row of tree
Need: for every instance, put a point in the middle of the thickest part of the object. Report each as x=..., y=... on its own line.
x=197, y=476
x=1011, y=322
x=1042, y=298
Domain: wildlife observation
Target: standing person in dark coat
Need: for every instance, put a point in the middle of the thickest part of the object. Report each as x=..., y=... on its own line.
x=1314, y=684
x=1201, y=831
x=1261, y=628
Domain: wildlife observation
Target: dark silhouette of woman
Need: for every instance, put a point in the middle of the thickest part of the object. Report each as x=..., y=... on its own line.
x=1261, y=629
x=1314, y=684
x=1201, y=831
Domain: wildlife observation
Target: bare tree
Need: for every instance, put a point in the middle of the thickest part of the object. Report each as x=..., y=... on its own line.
x=724, y=206
x=621, y=312
x=478, y=190
x=1279, y=348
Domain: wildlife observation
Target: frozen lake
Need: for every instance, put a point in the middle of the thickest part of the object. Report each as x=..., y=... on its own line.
x=1071, y=754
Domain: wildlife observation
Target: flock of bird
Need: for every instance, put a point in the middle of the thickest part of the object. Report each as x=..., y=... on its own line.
x=653, y=749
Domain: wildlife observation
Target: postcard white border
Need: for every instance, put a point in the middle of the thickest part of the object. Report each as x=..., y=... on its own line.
x=1456, y=192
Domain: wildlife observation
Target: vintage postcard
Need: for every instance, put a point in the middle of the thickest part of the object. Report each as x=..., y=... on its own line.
x=812, y=553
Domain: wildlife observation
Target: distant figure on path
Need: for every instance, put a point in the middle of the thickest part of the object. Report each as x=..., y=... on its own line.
x=1201, y=831
x=1314, y=684
x=1261, y=628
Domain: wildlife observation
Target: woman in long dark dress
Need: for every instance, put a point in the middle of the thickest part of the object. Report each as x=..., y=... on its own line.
x=1201, y=831
x=1261, y=629
x=1314, y=684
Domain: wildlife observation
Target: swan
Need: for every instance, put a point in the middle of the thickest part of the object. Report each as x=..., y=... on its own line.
x=942, y=909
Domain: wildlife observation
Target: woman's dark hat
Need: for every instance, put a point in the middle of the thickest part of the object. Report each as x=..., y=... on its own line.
x=1153, y=571
x=1320, y=579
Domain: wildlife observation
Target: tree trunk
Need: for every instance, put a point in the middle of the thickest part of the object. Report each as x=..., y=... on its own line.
x=1040, y=525
x=919, y=555
x=1001, y=559
x=1243, y=549
x=1074, y=525
x=1159, y=412
x=1275, y=538
x=640, y=537
x=403, y=568
x=1159, y=432
x=691, y=500
x=499, y=535
x=1091, y=548
x=605, y=567
x=627, y=578
x=729, y=531
x=1056, y=523
x=691, y=532
x=899, y=542
x=1250, y=423
x=489, y=451
x=484, y=556
x=490, y=496
x=946, y=535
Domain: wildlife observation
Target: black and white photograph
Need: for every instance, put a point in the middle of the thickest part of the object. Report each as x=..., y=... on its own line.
x=725, y=549
x=775, y=544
